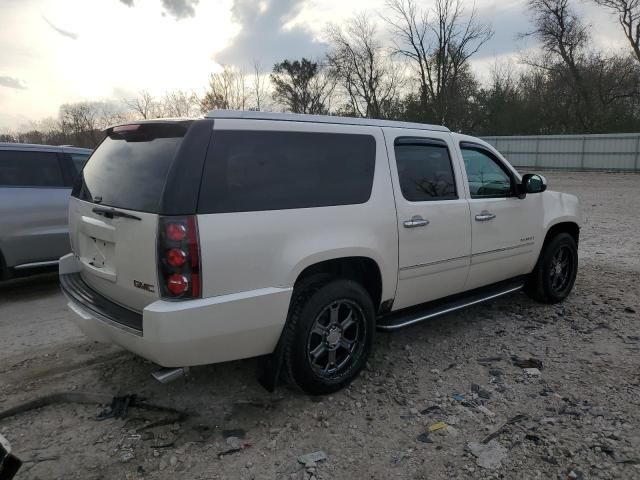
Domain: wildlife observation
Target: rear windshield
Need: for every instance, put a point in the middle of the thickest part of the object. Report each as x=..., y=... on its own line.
x=130, y=167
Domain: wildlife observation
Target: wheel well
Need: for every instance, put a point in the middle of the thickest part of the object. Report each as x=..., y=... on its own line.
x=363, y=270
x=565, y=227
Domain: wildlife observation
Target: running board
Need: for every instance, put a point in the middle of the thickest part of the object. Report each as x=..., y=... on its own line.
x=420, y=313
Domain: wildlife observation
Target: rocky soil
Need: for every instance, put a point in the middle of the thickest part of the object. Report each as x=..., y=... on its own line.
x=444, y=399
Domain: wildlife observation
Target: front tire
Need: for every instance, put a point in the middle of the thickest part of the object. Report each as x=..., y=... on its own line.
x=329, y=335
x=555, y=273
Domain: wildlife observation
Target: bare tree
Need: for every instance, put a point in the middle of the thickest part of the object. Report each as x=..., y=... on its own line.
x=180, y=103
x=563, y=36
x=439, y=48
x=81, y=121
x=363, y=69
x=259, y=87
x=227, y=90
x=144, y=105
x=628, y=12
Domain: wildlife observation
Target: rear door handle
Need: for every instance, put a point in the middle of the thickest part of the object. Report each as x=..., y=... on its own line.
x=485, y=216
x=416, y=221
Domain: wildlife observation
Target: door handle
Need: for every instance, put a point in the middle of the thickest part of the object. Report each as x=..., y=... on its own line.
x=416, y=221
x=485, y=216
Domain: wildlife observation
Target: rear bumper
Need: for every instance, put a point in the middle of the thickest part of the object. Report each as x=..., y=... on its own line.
x=178, y=334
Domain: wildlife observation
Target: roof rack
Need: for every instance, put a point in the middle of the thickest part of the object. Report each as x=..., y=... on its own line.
x=300, y=117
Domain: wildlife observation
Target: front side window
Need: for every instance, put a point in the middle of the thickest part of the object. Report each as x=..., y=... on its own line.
x=424, y=169
x=487, y=178
x=273, y=170
x=30, y=169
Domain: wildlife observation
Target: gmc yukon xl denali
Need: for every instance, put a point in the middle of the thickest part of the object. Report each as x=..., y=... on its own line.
x=295, y=237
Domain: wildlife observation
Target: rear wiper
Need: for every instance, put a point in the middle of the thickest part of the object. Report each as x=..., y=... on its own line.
x=112, y=213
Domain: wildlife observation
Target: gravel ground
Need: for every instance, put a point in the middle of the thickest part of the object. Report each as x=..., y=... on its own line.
x=579, y=418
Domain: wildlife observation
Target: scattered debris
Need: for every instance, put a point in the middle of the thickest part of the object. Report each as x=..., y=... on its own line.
x=56, y=399
x=489, y=360
x=236, y=432
x=511, y=421
x=424, y=438
x=488, y=455
x=532, y=372
x=527, y=363
x=437, y=426
x=318, y=456
x=119, y=407
x=432, y=408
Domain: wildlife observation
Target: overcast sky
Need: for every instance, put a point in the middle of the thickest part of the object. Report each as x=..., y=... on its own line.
x=57, y=51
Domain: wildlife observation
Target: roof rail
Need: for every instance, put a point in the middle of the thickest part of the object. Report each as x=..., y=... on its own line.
x=300, y=117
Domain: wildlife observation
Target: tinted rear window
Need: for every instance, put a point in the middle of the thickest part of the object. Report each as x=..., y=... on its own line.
x=129, y=170
x=268, y=170
x=30, y=169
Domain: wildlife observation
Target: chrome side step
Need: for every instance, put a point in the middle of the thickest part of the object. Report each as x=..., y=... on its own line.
x=413, y=315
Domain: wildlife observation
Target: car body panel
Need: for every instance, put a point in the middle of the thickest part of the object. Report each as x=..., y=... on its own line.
x=33, y=220
x=250, y=261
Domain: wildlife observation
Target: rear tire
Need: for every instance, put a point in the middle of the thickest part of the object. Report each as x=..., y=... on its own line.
x=555, y=273
x=329, y=335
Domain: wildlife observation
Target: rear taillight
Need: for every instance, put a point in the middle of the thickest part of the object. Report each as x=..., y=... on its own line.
x=179, y=258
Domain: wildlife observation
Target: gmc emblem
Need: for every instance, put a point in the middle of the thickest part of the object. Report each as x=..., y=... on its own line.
x=144, y=286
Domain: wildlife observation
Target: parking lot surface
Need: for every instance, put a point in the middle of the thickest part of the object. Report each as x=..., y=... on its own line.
x=578, y=417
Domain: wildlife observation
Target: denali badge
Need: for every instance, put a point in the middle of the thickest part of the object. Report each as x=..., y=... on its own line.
x=144, y=286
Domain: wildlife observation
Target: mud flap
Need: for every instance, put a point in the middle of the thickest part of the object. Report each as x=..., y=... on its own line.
x=269, y=367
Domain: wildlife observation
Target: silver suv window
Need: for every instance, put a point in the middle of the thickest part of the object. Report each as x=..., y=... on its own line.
x=275, y=170
x=30, y=169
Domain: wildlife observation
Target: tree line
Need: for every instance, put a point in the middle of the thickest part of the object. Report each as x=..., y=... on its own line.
x=421, y=72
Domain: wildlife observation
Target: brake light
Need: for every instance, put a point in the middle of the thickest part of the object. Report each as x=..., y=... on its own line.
x=176, y=257
x=177, y=284
x=179, y=258
x=176, y=231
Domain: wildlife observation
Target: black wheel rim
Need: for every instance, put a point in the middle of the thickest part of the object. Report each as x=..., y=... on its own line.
x=561, y=269
x=336, y=338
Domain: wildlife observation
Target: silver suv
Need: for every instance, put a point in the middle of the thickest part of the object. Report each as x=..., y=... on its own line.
x=35, y=185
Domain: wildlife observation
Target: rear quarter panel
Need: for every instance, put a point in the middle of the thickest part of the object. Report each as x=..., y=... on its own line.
x=254, y=250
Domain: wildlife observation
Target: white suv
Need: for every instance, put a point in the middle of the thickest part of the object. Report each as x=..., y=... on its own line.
x=295, y=237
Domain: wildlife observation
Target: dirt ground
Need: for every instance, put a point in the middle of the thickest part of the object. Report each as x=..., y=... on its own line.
x=581, y=414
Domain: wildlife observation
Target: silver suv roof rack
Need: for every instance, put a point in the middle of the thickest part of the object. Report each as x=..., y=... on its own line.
x=300, y=117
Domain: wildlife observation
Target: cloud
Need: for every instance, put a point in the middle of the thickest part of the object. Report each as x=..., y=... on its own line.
x=12, y=82
x=65, y=33
x=263, y=37
x=176, y=8
x=180, y=8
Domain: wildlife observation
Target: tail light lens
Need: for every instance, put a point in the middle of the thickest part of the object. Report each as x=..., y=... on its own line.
x=179, y=258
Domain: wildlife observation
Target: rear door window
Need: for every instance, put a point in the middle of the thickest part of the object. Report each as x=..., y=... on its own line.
x=30, y=169
x=274, y=170
x=424, y=169
x=129, y=169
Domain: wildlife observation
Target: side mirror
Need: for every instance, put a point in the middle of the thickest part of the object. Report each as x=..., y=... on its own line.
x=533, y=183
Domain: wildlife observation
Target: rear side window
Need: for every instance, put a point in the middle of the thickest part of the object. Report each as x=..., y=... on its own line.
x=268, y=170
x=30, y=169
x=424, y=169
x=79, y=160
x=129, y=169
